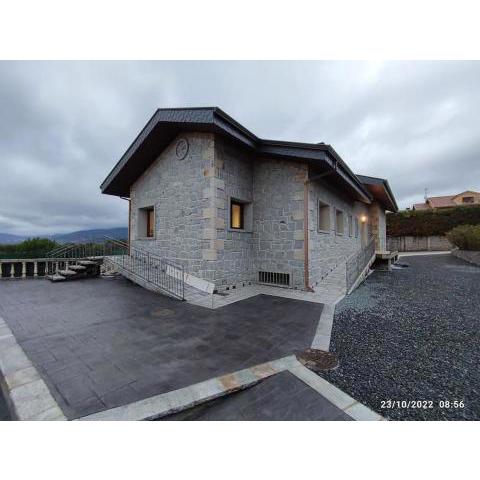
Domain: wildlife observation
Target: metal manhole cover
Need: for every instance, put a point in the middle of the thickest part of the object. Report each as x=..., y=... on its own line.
x=317, y=360
x=162, y=312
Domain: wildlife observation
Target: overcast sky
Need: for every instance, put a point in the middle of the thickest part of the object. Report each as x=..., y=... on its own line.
x=64, y=125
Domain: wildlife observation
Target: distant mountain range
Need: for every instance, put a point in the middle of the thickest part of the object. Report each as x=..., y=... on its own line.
x=7, y=238
x=82, y=236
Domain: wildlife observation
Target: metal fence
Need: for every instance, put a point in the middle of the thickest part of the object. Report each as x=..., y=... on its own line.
x=358, y=261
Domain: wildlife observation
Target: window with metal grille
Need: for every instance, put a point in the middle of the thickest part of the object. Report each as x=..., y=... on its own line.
x=274, y=278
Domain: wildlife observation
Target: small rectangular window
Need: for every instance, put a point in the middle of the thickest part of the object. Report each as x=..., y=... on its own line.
x=468, y=200
x=237, y=211
x=356, y=227
x=350, y=226
x=146, y=222
x=323, y=217
x=150, y=222
x=339, y=222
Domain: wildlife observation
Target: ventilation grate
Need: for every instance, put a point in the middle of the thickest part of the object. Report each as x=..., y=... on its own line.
x=274, y=278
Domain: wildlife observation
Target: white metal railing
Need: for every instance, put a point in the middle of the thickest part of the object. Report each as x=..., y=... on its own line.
x=356, y=263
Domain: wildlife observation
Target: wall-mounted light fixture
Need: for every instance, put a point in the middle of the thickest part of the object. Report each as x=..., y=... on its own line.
x=363, y=218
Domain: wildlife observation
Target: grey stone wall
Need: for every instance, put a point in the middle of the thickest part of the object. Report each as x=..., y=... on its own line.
x=176, y=190
x=234, y=166
x=418, y=244
x=278, y=218
x=192, y=196
x=327, y=249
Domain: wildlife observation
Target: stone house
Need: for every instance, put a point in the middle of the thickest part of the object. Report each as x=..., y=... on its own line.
x=236, y=209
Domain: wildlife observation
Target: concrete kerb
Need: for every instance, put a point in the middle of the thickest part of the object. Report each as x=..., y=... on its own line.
x=424, y=252
x=184, y=398
x=26, y=394
x=340, y=399
x=321, y=340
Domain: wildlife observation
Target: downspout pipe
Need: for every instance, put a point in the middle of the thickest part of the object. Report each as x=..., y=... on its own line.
x=306, y=187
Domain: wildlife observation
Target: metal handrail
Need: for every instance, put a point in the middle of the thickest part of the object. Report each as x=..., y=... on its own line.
x=357, y=262
x=157, y=271
x=144, y=250
x=59, y=249
x=163, y=274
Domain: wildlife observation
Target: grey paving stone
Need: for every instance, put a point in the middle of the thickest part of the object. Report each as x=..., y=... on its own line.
x=103, y=336
x=280, y=397
x=31, y=399
x=13, y=359
x=20, y=377
x=4, y=412
x=122, y=396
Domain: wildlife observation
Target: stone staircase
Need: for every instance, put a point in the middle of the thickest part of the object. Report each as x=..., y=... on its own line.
x=80, y=269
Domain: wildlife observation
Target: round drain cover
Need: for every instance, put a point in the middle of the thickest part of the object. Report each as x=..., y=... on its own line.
x=318, y=360
x=162, y=312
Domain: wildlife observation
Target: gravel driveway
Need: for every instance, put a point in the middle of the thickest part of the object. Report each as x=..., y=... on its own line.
x=413, y=334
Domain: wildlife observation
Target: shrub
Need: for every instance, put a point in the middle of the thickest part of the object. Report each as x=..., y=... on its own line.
x=431, y=222
x=31, y=248
x=465, y=237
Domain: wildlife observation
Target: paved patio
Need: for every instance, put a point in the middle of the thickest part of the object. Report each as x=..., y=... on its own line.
x=102, y=343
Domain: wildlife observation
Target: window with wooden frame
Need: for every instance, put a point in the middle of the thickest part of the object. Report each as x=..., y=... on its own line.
x=146, y=222
x=237, y=215
x=339, y=222
x=150, y=222
x=323, y=217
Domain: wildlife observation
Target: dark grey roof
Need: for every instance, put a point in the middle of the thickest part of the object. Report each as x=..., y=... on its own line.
x=380, y=190
x=166, y=123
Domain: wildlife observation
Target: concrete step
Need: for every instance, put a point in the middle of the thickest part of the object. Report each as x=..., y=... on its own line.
x=77, y=268
x=87, y=262
x=56, y=278
x=67, y=273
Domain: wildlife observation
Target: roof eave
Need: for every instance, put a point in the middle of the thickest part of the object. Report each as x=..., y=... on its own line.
x=216, y=120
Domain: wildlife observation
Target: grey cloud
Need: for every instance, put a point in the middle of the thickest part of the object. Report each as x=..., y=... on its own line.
x=63, y=125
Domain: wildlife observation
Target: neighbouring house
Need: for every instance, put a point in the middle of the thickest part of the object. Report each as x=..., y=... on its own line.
x=469, y=197
x=233, y=208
